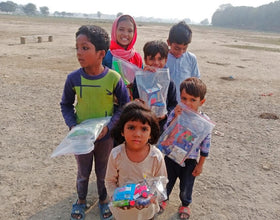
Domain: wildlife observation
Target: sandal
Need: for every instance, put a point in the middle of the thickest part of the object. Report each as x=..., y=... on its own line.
x=184, y=212
x=162, y=206
x=78, y=210
x=105, y=213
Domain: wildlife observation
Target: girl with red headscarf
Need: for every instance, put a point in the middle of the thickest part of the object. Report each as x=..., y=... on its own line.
x=123, y=38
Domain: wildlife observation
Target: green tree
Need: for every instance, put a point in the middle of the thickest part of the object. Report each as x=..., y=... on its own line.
x=30, y=9
x=204, y=22
x=44, y=10
x=8, y=6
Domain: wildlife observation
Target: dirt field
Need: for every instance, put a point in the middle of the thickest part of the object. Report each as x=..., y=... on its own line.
x=241, y=177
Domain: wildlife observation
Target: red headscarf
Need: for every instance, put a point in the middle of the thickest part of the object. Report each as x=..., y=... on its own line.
x=129, y=53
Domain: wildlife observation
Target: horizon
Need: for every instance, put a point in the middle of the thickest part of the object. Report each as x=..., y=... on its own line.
x=196, y=12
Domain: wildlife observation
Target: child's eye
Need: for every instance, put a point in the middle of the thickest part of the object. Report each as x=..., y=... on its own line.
x=145, y=129
x=85, y=48
x=130, y=127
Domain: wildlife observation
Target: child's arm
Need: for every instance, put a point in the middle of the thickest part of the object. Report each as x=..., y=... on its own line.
x=66, y=104
x=204, y=151
x=198, y=168
x=171, y=97
x=122, y=96
x=111, y=177
x=103, y=133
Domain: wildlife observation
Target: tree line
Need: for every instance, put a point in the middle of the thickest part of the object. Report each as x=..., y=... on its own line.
x=262, y=18
x=28, y=9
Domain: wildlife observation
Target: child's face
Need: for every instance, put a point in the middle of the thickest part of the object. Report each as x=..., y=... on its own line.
x=86, y=52
x=136, y=135
x=125, y=33
x=157, y=61
x=192, y=102
x=177, y=49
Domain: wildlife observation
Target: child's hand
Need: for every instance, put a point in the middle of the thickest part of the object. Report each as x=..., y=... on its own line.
x=177, y=110
x=103, y=133
x=129, y=86
x=197, y=170
x=150, y=68
x=161, y=117
x=125, y=207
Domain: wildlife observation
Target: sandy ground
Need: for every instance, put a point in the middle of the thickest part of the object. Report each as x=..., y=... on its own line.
x=242, y=174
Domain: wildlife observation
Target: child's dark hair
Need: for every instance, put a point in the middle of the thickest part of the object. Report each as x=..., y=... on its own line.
x=151, y=48
x=96, y=35
x=180, y=33
x=126, y=18
x=194, y=86
x=136, y=111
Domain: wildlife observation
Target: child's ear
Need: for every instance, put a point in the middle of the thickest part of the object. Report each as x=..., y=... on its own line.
x=202, y=102
x=102, y=53
x=168, y=42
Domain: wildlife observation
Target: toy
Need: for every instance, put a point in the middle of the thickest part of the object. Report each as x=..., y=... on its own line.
x=153, y=96
x=141, y=194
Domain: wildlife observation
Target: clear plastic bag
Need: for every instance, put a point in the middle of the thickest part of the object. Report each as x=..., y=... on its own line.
x=184, y=135
x=153, y=88
x=80, y=140
x=126, y=69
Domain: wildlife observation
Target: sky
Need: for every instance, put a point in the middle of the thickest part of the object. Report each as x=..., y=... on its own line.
x=196, y=10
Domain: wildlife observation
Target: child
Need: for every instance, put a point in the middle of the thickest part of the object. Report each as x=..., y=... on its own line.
x=136, y=157
x=93, y=86
x=155, y=56
x=181, y=63
x=192, y=91
x=123, y=38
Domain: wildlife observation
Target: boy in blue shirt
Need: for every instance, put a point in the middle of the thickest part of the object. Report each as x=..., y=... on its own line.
x=89, y=93
x=182, y=64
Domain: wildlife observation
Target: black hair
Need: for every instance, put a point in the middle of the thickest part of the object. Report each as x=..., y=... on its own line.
x=96, y=35
x=127, y=18
x=180, y=33
x=136, y=111
x=151, y=48
x=194, y=86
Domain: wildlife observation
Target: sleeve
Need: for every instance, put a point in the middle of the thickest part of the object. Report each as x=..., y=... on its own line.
x=195, y=72
x=108, y=59
x=161, y=171
x=67, y=104
x=122, y=96
x=205, y=146
x=169, y=119
x=111, y=177
x=135, y=93
x=171, y=97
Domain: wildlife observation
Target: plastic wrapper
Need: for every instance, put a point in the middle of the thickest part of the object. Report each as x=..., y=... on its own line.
x=184, y=135
x=80, y=140
x=126, y=69
x=140, y=194
x=153, y=88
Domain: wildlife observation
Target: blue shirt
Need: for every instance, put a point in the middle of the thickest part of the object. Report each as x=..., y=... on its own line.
x=182, y=68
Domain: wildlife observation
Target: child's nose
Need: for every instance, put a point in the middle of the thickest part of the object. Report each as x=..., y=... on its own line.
x=137, y=132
